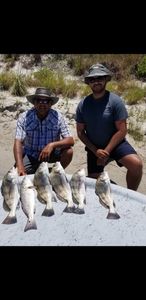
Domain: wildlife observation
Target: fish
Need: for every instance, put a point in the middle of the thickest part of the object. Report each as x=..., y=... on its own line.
x=61, y=186
x=27, y=197
x=77, y=184
x=43, y=186
x=103, y=191
x=10, y=193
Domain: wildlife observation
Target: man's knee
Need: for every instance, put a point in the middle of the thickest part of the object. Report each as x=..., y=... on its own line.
x=133, y=163
x=138, y=164
x=68, y=152
x=66, y=157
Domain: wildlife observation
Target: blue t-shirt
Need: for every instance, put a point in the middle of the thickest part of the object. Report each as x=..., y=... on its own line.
x=99, y=117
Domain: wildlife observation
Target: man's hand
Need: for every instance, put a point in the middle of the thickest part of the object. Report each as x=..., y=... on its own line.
x=21, y=170
x=102, y=154
x=46, y=152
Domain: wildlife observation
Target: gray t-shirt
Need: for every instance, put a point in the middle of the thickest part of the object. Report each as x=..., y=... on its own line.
x=99, y=117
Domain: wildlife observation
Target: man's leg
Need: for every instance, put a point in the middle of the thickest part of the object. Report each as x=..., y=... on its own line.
x=134, y=166
x=94, y=166
x=125, y=155
x=66, y=157
x=30, y=164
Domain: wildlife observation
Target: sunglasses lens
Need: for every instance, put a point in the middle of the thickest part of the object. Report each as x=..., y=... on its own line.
x=43, y=101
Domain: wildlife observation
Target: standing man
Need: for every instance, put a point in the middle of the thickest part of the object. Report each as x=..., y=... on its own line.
x=101, y=126
x=42, y=134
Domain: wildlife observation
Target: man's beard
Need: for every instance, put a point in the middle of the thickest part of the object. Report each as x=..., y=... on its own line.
x=98, y=88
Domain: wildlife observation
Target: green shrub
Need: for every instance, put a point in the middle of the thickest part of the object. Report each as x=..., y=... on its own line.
x=31, y=81
x=122, y=65
x=135, y=132
x=85, y=90
x=19, y=88
x=56, y=83
x=6, y=80
x=112, y=86
x=70, y=89
x=80, y=63
x=133, y=95
x=44, y=76
x=59, y=83
x=141, y=68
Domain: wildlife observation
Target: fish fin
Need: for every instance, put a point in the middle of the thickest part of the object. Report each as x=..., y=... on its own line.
x=79, y=211
x=69, y=209
x=54, y=197
x=5, y=206
x=74, y=199
x=30, y=225
x=113, y=182
x=48, y=212
x=10, y=220
x=18, y=205
x=67, y=180
x=102, y=203
x=41, y=199
x=2, y=192
x=113, y=216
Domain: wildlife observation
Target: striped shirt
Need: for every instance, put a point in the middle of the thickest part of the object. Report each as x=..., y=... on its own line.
x=36, y=133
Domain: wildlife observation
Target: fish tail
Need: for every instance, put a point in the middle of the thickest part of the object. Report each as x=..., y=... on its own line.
x=79, y=210
x=10, y=220
x=113, y=215
x=48, y=212
x=31, y=224
x=69, y=209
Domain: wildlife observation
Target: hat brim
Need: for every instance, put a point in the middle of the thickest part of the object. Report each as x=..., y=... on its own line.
x=87, y=78
x=32, y=98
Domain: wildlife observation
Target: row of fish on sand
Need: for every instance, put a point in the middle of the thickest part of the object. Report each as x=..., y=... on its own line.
x=48, y=187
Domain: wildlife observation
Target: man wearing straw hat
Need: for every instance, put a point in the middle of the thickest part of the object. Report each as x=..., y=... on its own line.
x=42, y=134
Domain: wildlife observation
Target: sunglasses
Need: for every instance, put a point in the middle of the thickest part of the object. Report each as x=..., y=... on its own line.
x=43, y=101
x=98, y=78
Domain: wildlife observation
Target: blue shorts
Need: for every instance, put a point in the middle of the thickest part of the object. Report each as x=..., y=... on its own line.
x=121, y=150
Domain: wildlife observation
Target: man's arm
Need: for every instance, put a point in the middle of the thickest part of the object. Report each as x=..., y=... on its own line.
x=18, y=155
x=64, y=143
x=118, y=136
